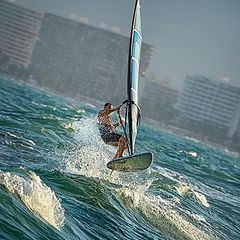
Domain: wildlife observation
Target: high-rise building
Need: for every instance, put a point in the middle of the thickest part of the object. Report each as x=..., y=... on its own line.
x=19, y=28
x=214, y=102
x=160, y=92
x=84, y=60
x=235, y=123
x=159, y=97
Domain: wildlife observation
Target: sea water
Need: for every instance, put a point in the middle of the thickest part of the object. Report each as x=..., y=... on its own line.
x=53, y=177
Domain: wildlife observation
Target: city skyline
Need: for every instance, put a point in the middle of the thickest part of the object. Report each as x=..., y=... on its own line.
x=65, y=61
x=194, y=37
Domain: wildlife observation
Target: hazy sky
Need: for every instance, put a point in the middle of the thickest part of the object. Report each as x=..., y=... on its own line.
x=190, y=36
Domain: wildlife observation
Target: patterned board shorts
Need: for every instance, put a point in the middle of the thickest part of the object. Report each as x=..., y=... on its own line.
x=111, y=138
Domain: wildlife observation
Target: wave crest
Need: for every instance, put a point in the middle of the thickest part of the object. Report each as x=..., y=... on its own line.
x=36, y=195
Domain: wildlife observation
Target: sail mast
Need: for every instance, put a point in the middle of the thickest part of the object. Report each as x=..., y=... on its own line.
x=133, y=74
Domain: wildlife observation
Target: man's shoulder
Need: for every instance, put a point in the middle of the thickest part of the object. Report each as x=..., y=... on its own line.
x=101, y=113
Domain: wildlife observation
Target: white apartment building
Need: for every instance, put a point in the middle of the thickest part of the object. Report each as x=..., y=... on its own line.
x=19, y=28
x=215, y=102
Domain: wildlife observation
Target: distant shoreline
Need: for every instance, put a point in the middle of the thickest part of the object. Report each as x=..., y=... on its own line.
x=148, y=121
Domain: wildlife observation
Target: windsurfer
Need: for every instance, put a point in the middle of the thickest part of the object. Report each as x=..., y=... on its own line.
x=107, y=129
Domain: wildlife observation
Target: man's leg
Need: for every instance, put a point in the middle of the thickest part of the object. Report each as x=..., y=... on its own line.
x=122, y=145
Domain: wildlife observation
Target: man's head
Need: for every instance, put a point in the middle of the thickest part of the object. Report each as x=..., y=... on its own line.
x=108, y=106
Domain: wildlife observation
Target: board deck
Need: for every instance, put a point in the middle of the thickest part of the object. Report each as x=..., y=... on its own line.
x=132, y=163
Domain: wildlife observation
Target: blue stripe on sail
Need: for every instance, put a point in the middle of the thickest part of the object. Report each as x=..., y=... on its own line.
x=136, y=46
x=134, y=137
x=134, y=74
x=135, y=78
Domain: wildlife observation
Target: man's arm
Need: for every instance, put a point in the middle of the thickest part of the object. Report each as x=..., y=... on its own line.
x=114, y=110
x=118, y=124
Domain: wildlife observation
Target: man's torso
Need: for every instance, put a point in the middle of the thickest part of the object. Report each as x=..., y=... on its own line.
x=106, y=129
x=105, y=122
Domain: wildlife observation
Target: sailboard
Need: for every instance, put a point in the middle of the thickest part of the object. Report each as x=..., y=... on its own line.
x=138, y=162
x=134, y=163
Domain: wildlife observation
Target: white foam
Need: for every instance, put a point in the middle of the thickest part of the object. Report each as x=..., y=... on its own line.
x=90, y=154
x=81, y=111
x=194, y=154
x=8, y=134
x=184, y=186
x=183, y=189
x=162, y=214
x=67, y=125
x=11, y=135
x=36, y=195
x=191, y=153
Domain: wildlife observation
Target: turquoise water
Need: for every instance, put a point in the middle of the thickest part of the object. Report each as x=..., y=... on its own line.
x=53, y=178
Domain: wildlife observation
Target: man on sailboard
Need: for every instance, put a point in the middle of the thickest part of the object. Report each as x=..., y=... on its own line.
x=107, y=129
